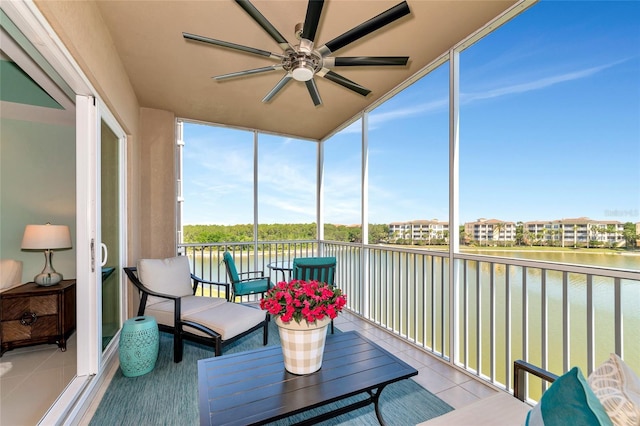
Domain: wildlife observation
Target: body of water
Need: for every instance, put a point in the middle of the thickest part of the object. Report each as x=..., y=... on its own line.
x=507, y=324
x=619, y=260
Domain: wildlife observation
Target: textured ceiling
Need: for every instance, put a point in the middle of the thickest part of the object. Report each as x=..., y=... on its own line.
x=170, y=73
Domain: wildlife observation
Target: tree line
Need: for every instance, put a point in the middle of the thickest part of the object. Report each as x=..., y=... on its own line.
x=378, y=233
x=281, y=232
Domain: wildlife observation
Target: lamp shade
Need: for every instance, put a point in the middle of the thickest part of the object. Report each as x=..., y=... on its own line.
x=45, y=237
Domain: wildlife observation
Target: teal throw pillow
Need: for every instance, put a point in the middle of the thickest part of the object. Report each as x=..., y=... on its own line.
x=569, y=400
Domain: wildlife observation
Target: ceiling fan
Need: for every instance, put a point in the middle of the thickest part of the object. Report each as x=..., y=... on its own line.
x=303, y=61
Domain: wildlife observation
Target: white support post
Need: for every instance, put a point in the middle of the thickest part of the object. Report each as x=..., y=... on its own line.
x=320, y=197
x=179, y=182
x=255, y=200
x=364, y=260
x=454, y=217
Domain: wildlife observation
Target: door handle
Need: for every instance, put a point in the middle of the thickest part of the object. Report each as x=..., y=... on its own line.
x=104, y=254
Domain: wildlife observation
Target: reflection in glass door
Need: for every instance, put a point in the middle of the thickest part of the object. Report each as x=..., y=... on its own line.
x=110, y=233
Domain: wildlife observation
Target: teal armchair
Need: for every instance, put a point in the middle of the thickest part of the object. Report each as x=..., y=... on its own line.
x=245, y=283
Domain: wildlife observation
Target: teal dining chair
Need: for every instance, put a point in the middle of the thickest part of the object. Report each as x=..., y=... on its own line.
x=321, y=269
x=245, y=283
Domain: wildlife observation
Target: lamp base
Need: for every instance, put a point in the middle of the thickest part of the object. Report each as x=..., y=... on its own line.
x=48, y=279
x=48, y=276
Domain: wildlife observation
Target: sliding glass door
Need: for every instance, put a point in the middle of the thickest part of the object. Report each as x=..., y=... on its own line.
x=110, y=232
x=101, y=228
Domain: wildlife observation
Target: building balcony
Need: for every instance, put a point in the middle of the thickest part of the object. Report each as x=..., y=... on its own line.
x=461, y=334
x=475, y=313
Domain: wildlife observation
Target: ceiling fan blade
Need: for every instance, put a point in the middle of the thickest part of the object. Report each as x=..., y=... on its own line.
x=337, y=78
x=314, y=11
x=264, y=23
x=313, y=92
x=248, y=72
x=230, y=45
x=373, y=24
x=356, y=61
x=283, y=82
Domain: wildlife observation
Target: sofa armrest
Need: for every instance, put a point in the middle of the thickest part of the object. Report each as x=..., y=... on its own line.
x=519, y=368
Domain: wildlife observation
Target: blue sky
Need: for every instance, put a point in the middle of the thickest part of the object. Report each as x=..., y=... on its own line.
x=549, y=129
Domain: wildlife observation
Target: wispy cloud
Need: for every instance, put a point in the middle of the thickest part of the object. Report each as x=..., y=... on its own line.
x=539, y=84
x=376, y=119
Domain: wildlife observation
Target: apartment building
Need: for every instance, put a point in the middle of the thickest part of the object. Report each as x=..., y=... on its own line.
x=580, y=231
x=420, y=230
x=568, y=232
x=490, y=231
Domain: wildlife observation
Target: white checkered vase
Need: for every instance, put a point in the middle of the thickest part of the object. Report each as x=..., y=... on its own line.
x=302, y=344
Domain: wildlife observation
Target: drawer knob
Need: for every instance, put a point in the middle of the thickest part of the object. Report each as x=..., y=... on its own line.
x=28, y=318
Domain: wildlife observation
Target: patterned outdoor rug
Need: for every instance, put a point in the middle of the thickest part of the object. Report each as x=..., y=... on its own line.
x=169, y=394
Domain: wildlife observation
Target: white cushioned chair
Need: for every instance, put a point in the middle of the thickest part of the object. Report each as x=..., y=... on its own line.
x=10, y=274
x=168, y=292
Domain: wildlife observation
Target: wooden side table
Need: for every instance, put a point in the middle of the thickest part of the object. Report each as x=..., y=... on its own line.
x=31, y=314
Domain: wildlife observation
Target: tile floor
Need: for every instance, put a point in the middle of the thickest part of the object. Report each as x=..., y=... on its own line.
x=447, y=383
x=31, y=378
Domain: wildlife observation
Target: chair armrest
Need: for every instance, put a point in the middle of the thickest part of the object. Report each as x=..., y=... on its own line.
x=146, y=291
x=197, y=281
x=519, y=368
x=201, y=328
x=258, y=273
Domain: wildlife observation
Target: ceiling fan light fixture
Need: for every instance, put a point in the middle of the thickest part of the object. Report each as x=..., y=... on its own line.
x=304, y=72
x=303, y=66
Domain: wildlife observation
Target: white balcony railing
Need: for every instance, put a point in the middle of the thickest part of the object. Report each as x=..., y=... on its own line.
x=495, y=310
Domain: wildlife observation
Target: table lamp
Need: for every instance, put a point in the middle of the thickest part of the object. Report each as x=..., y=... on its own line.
x=46, y=237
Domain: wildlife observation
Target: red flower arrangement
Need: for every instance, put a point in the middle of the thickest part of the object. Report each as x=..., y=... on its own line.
x=303, y=300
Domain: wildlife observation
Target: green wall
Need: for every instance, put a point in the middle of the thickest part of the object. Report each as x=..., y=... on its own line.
x=18, y=87
x=37, y=185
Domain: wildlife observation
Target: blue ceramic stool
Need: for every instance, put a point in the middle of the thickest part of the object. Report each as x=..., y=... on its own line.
x=139, y=342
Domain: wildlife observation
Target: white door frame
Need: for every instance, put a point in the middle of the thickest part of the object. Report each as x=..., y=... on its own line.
x=89, y=112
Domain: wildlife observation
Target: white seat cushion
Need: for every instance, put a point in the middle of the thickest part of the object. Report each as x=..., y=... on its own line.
x=163, y=311
x=170, y=276
x=228, y=319
x=225, y=318
x=499, y=409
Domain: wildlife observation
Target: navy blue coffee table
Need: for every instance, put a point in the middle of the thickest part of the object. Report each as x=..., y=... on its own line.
x=253, y=388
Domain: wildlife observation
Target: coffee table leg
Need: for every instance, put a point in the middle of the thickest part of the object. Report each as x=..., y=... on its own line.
x=376, y=397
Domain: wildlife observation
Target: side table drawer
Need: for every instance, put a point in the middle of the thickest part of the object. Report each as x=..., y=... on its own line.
x=14, y=309
x=41, y=326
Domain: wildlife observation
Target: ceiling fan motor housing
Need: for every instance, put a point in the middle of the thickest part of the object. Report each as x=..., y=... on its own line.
x=303, y=62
